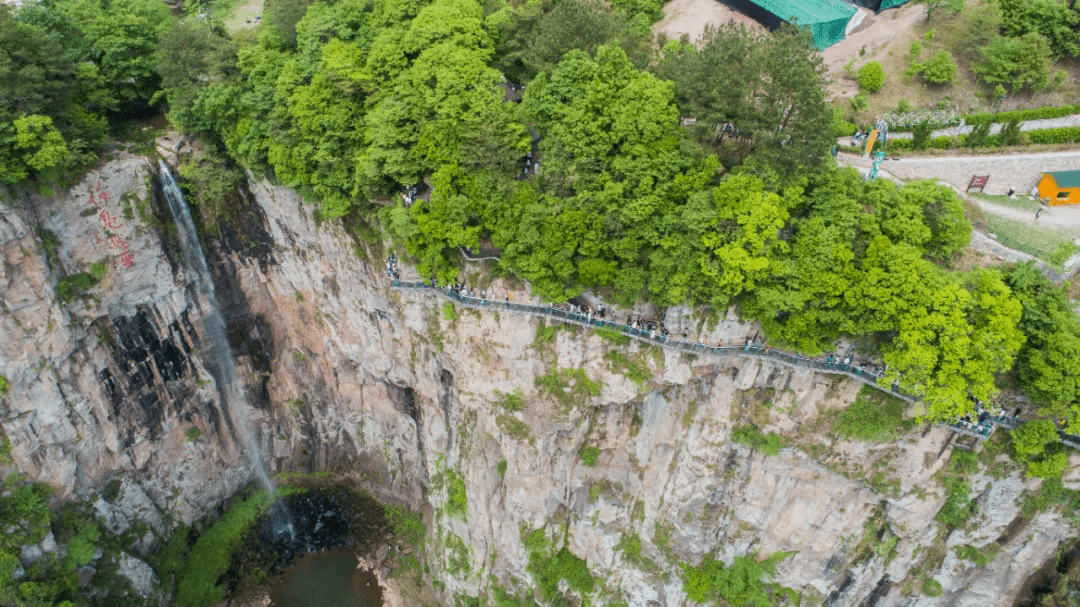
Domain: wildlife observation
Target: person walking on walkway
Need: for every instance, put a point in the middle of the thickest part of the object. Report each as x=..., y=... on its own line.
x=1037, y=213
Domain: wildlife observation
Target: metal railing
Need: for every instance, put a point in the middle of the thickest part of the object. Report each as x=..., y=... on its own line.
x=979, y=431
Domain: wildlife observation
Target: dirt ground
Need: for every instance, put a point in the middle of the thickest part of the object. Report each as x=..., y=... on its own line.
x=876, y=35
x=690, y=17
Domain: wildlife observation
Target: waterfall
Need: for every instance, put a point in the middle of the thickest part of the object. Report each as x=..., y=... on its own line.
x=231, y=390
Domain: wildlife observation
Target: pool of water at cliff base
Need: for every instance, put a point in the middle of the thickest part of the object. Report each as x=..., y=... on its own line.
x=326, y=579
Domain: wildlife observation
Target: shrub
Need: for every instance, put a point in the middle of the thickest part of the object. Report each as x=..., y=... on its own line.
x=871, y=77
x=872, y=417
x=511, y=402
x=859, y=102
x=457, y=502
x=931, y=587
x=1018, y=63
x=920, y=135
x=751, y=436
x=193, y=433
x=70, y=287
x=501, y=469
x=978, y=135
x=958, y=508
x=4, y=385
x=939, y=69
x=914, y=50
x=841, y=127
x=1010, y=132
x=97, y=270
x=589, y=454
x=740, y=584
x=1058, y=135
x=1022, y=115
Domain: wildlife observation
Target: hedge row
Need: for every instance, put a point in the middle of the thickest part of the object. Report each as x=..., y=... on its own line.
x=1060, y=135
x=1021, y=115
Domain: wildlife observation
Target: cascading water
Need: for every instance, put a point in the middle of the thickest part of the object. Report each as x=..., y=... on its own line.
x=214, y=330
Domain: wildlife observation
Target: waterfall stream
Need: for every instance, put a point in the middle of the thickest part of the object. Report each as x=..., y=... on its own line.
x=231, y=390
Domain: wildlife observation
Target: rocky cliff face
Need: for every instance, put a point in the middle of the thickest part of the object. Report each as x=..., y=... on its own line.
x=410, y=399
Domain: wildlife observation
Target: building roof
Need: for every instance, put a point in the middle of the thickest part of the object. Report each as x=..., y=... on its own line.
x=808, y=12
x=1066, y=179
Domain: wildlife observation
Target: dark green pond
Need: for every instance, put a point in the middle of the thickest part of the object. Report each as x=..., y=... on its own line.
x=326, y=579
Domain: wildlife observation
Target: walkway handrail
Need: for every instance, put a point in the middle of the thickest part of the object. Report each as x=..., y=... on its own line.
x=856, y=372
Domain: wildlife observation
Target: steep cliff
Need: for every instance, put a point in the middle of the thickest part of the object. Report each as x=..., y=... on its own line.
x=493, y=423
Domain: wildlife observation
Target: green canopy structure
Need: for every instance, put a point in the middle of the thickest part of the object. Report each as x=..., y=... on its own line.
x=827, y=19
x=880, y=5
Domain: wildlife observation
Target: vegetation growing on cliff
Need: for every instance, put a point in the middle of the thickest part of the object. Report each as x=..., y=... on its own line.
x=26, y=518
x=743, y=583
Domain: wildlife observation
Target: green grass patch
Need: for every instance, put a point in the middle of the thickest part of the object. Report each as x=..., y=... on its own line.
x=589, y=455
x=457, y=502
x=741, y=584
x=873, y=417
x=932, y=588
x=981, y=558
x=501, y=469
x=751, y=436
x=549, y=567
x=1052, y=245
x=449, y=312
x=569, y=387
x=612, y=335
x=70, y=287
x=209, y=557
x=1021, y=202
x=958, y=508
x=632, y=370
x=510, y=402
x=193, y=433
x=4, y=385
x=514, y=427
x=457, y=555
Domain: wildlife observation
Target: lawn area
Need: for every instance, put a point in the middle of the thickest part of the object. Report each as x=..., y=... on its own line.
x=1021, y=202
x=1044, y=242
x=240, y=13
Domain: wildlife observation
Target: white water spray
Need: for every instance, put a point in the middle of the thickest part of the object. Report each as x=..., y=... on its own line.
x=214, y=328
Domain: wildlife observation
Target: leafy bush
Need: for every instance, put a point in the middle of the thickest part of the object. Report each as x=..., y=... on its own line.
x=457, y=502
x=939, y=69
x=958, y=508
x=1031, y=439
x=859, y=102
x=449, y=312
x=589, y=455
x=751, y=436
x=871, y=77
x=1010, y=132
x=70, y=287
x=511, y=401
x=568, y=386
x=408, y=525
x=872, y=417
x=514, y=427
x=632, y=370
x=1018, y=63
x=193, y=433
x=615, y=337
x=501, y=469
x=841, y=127
x=981, y=558
x=1058, y=135
x=4, y=385
x=549, y=567
x=979, y=135
x=741, y=584
x=920, y=135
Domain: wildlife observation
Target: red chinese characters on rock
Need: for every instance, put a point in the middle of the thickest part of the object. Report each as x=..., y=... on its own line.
x=126, y=259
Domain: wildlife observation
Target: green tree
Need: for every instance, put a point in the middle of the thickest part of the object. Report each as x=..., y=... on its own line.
x=982, y=24
x=191, y=57
x=30, y=145
x=871, y=77
x=1048, y=365
x=932, y=6
x=1018, y=63
x=1055, y=20
x=760, y=95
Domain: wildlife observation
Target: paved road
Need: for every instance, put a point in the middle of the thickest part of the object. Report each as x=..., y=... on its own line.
x=1020, y=171
x=1027, y=125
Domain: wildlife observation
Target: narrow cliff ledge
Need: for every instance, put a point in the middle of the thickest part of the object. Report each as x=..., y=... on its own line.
x=606, y=442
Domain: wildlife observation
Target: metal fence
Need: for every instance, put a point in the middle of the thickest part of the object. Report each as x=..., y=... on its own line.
x=875, y=380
